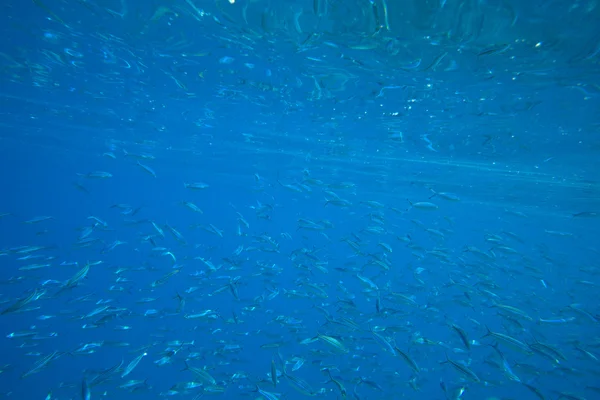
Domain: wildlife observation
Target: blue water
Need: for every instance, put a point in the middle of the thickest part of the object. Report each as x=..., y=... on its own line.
x=376, y=178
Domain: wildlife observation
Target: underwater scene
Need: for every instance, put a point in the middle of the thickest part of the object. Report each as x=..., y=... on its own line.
x=295, y=199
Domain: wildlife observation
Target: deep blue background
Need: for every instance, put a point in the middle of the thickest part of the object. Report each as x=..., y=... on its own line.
x=513, y=133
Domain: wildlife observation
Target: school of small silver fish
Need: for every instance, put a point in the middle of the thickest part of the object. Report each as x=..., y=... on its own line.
x=249, y=199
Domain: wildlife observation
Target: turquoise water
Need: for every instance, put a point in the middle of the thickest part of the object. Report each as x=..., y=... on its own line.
x=282, y=200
